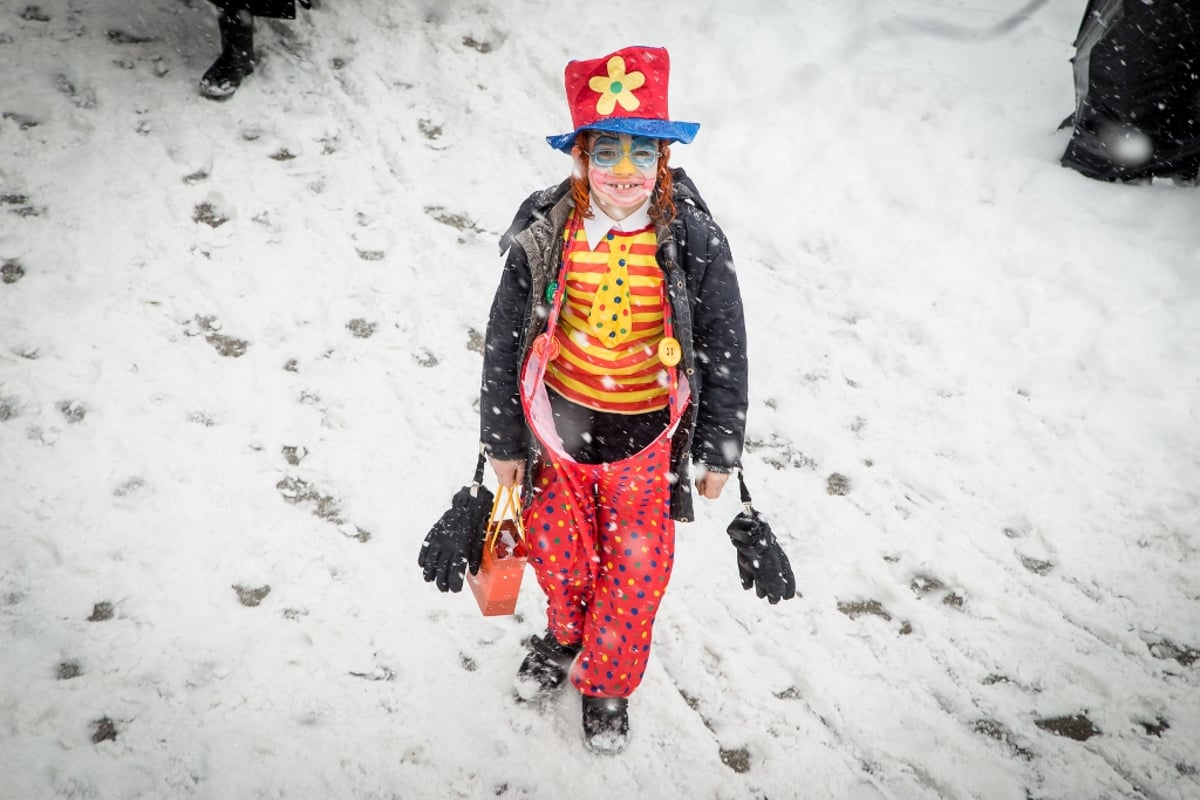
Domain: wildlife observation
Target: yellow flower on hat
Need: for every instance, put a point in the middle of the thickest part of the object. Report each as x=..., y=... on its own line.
x=616, y=87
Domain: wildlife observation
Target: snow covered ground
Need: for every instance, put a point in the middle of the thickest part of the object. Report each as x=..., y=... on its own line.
x=239, y=350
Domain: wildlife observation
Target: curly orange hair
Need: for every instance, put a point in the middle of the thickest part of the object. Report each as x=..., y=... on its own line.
x=662, y=206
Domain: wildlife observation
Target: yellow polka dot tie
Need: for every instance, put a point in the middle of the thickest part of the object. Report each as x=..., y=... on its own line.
x=609, y=320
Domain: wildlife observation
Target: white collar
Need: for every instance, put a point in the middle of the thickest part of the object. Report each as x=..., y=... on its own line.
x=601, y=223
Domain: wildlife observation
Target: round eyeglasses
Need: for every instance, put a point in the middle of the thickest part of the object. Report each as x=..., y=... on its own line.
x=606, y=155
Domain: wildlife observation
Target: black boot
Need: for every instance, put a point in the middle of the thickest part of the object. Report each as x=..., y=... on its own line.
x=605, y=724
x=544, y=670
x=237, y=55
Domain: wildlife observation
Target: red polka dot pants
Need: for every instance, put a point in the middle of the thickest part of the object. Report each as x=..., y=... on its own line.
x=602, y=544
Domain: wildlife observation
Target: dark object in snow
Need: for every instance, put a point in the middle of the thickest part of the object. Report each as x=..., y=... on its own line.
x=1183, y=654
x=227, y=346
x=103, y=730
x=73, y=411
x=544, y=670
x=1157, y=728
x=605, y=724
x=1077, y=727
x=1137, y=91
x=455, y=542
x=737, y=760
x=34, y=14
x=250, y=596
x=236, y=61
x=858, y=608
x=12, y=271
x=1036, y=565
x=278, y=9
x=101, y=611
x=837, y=485
x=999, y=731
x=761, y=561
x=237, y=55
x=118, y=36
x=67, y=670
x=361, y=329
x=204, y=212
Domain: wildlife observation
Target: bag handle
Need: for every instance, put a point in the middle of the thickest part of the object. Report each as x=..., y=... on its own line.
x=508, y=503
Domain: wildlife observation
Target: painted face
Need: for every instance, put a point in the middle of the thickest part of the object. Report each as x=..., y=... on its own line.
x=621, y=172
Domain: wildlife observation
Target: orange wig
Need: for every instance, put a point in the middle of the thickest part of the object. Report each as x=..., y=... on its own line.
x=662, y=206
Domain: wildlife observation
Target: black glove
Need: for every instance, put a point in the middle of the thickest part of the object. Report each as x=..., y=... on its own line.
x=306, y=3
x=455, y=542
x=761, y=561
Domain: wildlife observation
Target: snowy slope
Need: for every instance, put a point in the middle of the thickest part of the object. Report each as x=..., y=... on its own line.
x=239, y=348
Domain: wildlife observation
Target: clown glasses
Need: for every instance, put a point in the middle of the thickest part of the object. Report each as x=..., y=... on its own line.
x=608, y=151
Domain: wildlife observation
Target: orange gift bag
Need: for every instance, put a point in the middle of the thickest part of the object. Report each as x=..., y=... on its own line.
x=498, y=581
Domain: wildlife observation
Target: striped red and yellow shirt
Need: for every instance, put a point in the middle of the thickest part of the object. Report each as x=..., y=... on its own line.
x=628, y=377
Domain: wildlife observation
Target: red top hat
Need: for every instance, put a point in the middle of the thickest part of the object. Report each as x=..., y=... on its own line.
x=623, y=92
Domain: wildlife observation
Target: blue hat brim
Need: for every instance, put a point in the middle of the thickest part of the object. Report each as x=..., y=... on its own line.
x=682, y=132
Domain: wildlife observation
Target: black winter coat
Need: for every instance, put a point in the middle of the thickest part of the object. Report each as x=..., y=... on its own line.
x=280, y=9
x=706, y=308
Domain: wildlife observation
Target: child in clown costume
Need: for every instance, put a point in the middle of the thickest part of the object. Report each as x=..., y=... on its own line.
x=615, y=351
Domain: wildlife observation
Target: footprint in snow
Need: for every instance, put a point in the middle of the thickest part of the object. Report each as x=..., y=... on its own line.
x=9, y=407
x=1036, y=565
x=118, y=36
x=101, y=612
x=924, y=585
x=208, y=326
x=80, y=98
x=103, y=730
x=838, y=485
x=24, y=121
x=251, y=596
x=999, y=731
x=361, y=329
x=1165, y=649
x=1076, y=726
x=854, y=609
x=34, y=14
x=73, y=410
x=20, y=205
x=67, y=670
x=209, y=215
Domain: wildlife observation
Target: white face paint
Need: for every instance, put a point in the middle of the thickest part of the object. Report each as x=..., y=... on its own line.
x=621, y=172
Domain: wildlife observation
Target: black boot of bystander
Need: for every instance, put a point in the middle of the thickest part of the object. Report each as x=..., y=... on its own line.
x=237, y=55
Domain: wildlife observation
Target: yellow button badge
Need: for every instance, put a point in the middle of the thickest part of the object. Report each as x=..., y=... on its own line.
x=669, y=351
